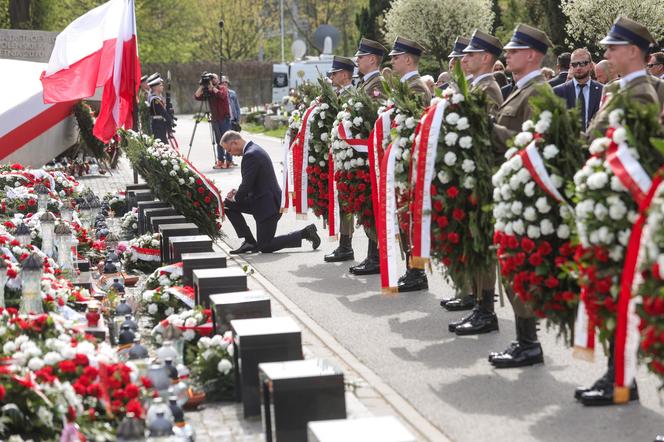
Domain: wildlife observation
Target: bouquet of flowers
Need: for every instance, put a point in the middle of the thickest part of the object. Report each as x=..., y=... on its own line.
x=176, y=181
x=129, y=224
x=213, y=367
x=194, y=324
x=322, y=122
x=606, y=209
x=117, y=203
x=533, y=215
x=453, y=139
x=143, y=253
x=159, y=304
x=165, y=276
x=350, y=135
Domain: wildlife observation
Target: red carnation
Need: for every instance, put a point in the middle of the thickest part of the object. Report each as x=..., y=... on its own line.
x=527, y=245
x=16, y=166
x=67, y=366
x=207, y=200
x=458, y=214
x=438, y=206
x=81, y=360
x=442, y=222
x=131, y=391
x=535, y=259
x=147, y=383
x=551, y=282
x=201, y=190
x=32, y=202
x=452, y=192
x=453, y=238
x=134, y=406
x=2, y=392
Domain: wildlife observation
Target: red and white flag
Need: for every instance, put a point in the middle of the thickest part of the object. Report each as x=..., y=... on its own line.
x=97, y=49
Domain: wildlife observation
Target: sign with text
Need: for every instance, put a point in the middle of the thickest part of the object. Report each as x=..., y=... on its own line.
x=26, y=45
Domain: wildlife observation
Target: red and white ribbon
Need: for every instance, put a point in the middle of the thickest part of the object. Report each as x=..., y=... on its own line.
x=286, y=146
x=387, y=223
x=360, y=145
x=377, y=142
x=629, y=171
x=145, y=254
x=333, y=210
x=533, y=162
x=300, y=162
x=627, y=336
x=209, y=185
x=584, y=334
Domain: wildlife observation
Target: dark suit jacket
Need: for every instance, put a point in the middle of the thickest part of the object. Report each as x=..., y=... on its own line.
x=259, y=189
x=568, y=92
x=560, y=79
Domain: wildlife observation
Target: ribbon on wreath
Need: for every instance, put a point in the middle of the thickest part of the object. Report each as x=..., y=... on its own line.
x=377, y=139
x=421, y=175
x=286, y=146
x=533, y=162
x=145, y=254
x=387, y=222
x=584, y=333
x=300, y=160
x=629, y=171
x=209, y=185
x=359, y=145
x=333, y=209
x=627, y=334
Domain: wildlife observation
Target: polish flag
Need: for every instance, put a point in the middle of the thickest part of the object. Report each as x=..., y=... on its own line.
x=97, y=49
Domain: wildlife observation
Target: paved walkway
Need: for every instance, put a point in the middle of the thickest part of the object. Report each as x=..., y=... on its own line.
x=404, y=340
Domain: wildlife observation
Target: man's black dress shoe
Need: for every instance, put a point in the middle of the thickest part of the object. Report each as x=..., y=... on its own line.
x=603, y=395
x=453, y=325
x=509, y=349
x=482, y=322
x=414, y=280
x=446, y=300
x=607, y=378
x=522, y=355
x=367, y=267
x=466, y=302
x=246, y=247
x=310, y=234
x=342, y=253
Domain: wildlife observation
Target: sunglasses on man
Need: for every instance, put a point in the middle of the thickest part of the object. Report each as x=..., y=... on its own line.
x=652, y=65
x=583, y=64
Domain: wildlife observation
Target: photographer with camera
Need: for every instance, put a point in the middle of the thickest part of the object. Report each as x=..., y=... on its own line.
x=216, y=95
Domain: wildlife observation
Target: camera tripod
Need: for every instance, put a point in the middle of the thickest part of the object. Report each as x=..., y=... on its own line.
x=204, y=114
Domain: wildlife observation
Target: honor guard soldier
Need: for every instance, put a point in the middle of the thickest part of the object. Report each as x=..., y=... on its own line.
x=369, y=57
x=160, y=120
x=524, y=54
x=143, y=109
x=457, y=54
x=480, y=56
x=627, y=45
x=341, y=75
x=405, y=56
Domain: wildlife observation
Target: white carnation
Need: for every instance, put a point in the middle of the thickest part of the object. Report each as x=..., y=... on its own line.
x=466, y=142
x=463, y=124
x=452, y=118
x=518, y=227
x=533, y=232
x=620, y=135
x=457, y=98
x=597, y=180
x=451, y=138
x=616, y=117
x=563, y=231
x=542, y=205
x=529, y=213
x=468, y=166
x=443, y=177
x=224, y=366
x=550, y=151
x=152, y=308
x=510, y=152
x=523, y=138
x=450, y=158
x=527, y=126
x=546, y=227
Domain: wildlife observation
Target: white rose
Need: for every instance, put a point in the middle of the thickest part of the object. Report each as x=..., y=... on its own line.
x=450, y=158
x=462, y=124
x=181, y=181
x=468, y=166
x=563, y=231
x=550, y=151
x=466, y=142
x=451, y=138
x=312, y=159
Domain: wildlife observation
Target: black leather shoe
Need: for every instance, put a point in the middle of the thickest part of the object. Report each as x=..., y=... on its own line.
x=246, y=247
x=466, y=302
x=453, y=325
x=482, y=322
x=415, y=279
x=310, y=234
x=510, y=348
x=446, y=300
x=342, y=253
x=366, y=267
x=607, y=378
x=603, y=395
x=522, y=355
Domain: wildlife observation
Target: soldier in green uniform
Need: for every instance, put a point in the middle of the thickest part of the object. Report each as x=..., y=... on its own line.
x=341, y=75
x=627, y=45
x=480, y=56
x=524, y=54
x=405, y=56
x=369, y=57
x=142, y=102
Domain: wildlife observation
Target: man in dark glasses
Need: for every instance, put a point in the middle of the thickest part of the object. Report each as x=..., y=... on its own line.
x=655, y=66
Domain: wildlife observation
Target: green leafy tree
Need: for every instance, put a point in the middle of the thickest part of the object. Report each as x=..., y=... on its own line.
x=437, y=23
x=370, y=19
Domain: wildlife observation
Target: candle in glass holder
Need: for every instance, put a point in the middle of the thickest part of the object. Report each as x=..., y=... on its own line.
x=31, y=273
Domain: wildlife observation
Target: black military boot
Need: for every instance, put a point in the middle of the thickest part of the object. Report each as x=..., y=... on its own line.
x=607, y=377
x=601, y=392
x=413, y=280
x=484, y=320
x=527, y=350
x=460, y=303
x=371, y=265
x=342, y=253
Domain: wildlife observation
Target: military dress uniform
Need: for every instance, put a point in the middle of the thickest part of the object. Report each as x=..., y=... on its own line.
x=526, y=350
x=637, y=86
x=161, y=121
x=143, y=109
x=372, y=84
x=483, y=318
x=344, y=252
x=414, y=279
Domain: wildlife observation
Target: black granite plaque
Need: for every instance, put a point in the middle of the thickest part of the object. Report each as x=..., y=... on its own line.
x=261, y=340
x=142, y=207
x=238, y=305
x=168, y=230
x=200, y=260
x=156, y=221
x=149, y=214
x=208, y=282
x=297, y=392
x=187, y=244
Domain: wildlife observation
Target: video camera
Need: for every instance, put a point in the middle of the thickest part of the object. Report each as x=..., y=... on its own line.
x=206, y=79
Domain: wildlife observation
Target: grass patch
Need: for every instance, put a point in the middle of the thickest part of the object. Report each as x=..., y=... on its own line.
x=260, y=129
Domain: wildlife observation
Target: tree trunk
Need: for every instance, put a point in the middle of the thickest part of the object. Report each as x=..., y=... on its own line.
x=19, y=14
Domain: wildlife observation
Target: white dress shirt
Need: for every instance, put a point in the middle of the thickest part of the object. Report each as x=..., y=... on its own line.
x=409, y=75
x=624, y=81
x=526, y=78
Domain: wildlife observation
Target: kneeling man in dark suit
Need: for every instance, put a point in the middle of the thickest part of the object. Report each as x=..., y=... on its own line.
x=259, y=194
